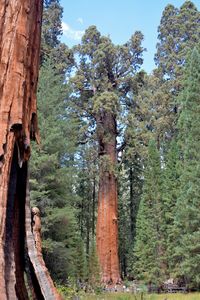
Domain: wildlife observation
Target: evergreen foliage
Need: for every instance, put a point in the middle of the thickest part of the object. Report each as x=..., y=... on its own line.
x=187, y=220
x=105, y=75
x=159, y=161
x=93, y=267
x=170, y=194
x=86, y=204
x=80, y=267
x=105, y=72
x=178, y=32
x=51, y=178
x=151, y=115
x=130, y=189
x=148, y=246
x=51, y=46
x=60, y=243
x=52, y=23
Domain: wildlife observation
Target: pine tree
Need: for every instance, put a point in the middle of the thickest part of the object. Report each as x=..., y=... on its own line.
x=80, y=267
x=151, y=115
x=60, y=243
x=130, y=190
x=52, y=23
x=178, y=33
x=51, y=174
x=148, y=250
x=86, y=182
x=51, y=46
x=53, y=168
x=169, y=200
x=93, y=267
x=187, y=220
x=124, y=220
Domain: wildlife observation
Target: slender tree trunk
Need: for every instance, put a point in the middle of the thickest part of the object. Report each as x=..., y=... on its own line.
x=133, y=202
x=135, y=187
x=20, y=26
x=107, y=225
x=132, y=205
x=82, y=217
x=88, y=220
x=93, y=206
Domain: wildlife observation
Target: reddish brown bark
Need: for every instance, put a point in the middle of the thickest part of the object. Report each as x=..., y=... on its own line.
x=20, y=26
x=107, y=226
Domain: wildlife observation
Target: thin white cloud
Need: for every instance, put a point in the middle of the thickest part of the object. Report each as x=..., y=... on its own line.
x=80, y=20
x=72, y=33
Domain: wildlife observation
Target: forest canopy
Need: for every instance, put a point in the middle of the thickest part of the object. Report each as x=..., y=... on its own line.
x=117, y=174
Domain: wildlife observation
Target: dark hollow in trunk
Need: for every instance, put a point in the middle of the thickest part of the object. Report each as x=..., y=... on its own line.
x=14, y=248
x=23, y=274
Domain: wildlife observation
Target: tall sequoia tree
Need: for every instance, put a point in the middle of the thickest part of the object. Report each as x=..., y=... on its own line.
x=20, y=26
x=104, y=78
x=178, y=32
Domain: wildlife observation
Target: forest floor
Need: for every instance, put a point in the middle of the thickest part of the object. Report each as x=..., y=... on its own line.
x=128, y=296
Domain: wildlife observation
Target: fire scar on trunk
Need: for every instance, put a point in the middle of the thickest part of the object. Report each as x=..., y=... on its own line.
x=22, y=273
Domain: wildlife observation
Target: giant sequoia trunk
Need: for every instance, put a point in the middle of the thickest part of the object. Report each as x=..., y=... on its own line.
x=22, y=273
x=107, y=227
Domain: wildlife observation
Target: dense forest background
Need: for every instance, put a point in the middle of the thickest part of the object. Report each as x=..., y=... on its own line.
x=158, y=168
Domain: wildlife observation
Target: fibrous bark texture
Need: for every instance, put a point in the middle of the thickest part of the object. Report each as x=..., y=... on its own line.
x=22, y=274
x=107, y=226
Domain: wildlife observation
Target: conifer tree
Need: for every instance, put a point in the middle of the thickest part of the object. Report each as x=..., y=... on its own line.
x=170, y=193
x=124, y=221
x=51, y=174
x=86, y=191
x=81, y=269
x=178, y=32
x=150, y=115
x=93, y=267
x=52, y=23
x=148, y=250
x=130, y=190
x=53, y=165
x=51, y=46
x=105, y=75
x=188, y=205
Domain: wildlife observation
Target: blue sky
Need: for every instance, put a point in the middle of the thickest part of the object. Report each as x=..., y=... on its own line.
x=117, y=18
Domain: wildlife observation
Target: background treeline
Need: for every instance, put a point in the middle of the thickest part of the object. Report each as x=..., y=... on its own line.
x=158, y=121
